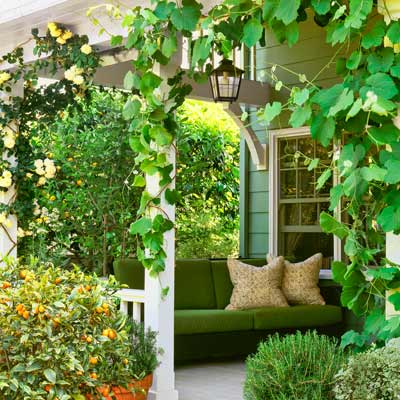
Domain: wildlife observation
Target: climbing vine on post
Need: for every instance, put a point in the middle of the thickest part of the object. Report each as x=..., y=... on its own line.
x=358, y=111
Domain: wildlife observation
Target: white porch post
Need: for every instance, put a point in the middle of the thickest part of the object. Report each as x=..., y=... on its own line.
x=159, y=312
x=8, y=235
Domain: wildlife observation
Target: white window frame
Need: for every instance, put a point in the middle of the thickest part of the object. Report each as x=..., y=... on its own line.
x=274, y=136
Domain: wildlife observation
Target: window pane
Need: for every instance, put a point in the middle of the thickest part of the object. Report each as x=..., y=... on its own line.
x=306, y=148
x=298, y=246
x=306, y=183
x=288, y=184
x=291, y=213
x=287, y=149
x=309, y=214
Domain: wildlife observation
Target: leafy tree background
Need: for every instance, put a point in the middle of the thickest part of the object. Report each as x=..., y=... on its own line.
x=84, y=214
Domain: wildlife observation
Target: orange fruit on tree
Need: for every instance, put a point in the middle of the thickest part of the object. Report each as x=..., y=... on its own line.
x=93, y=360
x=25, y=314
x=111, y=334
x=22, y=274
x=6, y=285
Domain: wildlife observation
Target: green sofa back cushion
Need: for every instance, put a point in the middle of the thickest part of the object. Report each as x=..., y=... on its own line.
x=194, y=286
x=222, y=280
x=130, y=272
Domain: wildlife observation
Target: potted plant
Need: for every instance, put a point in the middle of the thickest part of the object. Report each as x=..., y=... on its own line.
x=142, y=362
x=62, y=335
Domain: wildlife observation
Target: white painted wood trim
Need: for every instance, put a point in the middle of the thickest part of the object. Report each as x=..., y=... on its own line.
x=258, y=150
x=274, y=136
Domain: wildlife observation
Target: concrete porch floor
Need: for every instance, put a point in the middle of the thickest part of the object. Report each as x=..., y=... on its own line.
x=222, y=380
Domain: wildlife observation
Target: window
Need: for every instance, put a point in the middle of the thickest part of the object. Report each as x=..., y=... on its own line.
x=295, y=204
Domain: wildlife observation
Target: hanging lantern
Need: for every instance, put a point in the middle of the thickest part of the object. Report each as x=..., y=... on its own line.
x=225, y=82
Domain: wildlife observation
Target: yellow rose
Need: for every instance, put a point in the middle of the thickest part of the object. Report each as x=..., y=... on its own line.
x=78, y=80
x=4, y=77
x=9, y=142
x=56, y=33
x=86, y=49
x=67, y=35
x=60, y=40
x=41, y=181
x=51, y=26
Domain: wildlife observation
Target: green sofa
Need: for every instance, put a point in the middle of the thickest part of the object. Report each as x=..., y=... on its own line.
x=204, y=329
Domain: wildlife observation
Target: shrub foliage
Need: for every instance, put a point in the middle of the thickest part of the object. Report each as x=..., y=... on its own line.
x=294, y=367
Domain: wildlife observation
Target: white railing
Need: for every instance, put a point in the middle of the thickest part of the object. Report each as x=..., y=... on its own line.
x=134, y=297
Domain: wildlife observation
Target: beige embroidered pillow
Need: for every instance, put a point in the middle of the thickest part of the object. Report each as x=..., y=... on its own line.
x=300, y=280
x=255, y=287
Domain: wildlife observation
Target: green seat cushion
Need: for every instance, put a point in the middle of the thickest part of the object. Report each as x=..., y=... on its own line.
x=189, y=322
x=130, y=272
x=302, y=316
x=194, y=286
x=222, y=280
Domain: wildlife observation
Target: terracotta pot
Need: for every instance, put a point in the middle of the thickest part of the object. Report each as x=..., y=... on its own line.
x=140, y=390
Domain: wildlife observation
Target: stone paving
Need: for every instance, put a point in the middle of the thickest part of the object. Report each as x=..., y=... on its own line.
x=211, y=381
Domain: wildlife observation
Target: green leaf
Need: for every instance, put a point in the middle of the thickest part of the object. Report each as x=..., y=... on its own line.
x=382, y=85
x=351, y=246
x=321, y=7
x=339, y=270
x=300, y=116
x=389, y=219
x=139, y=181
x=271, y=111
x=149, y=82
x=385, y=273
x=373, y=173
x=323, y=129
x=374, y=37
x=131, y=109
x=354, y=60
x=331, y=225
x=344, y=101
x=186, y=17
x=169, y=46
x=385, y=134
x=131, y=81
x=393, y=32
x=301, y=96
x=201, y=50
x=148, y=15
x=395, y=300
x=313, y=164
x=355, y=109
x=163, y=9
x=354, y=338
x=354, y=186
x=252, y=32
x=50, y=375
x=380, y=61
x=335, y=195
x=287, y=11
x=292, y=33
x=160, y=135
x=393, y=172
x=172, y=196
x=269, y=9
x=116, y=40
x=141, y=226
x=323, y=179
x=359, y=10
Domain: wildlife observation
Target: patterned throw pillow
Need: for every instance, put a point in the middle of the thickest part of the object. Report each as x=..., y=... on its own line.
x=255, y=287
x=300, y=280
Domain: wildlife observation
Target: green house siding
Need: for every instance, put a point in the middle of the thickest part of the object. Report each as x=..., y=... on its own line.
x=307, y=57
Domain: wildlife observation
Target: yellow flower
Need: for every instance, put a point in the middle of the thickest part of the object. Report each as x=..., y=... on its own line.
x=4, y=77
x=29, y=175
x=60, y=40
x=9, y=141
x=41, y=181
x=79, y=182
x=56, y=33
x=5, y=179
x=78, y=80
x=51, y=26
x=67, y=35
x=52, y=198
x=86, y=49
x=39, y=220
